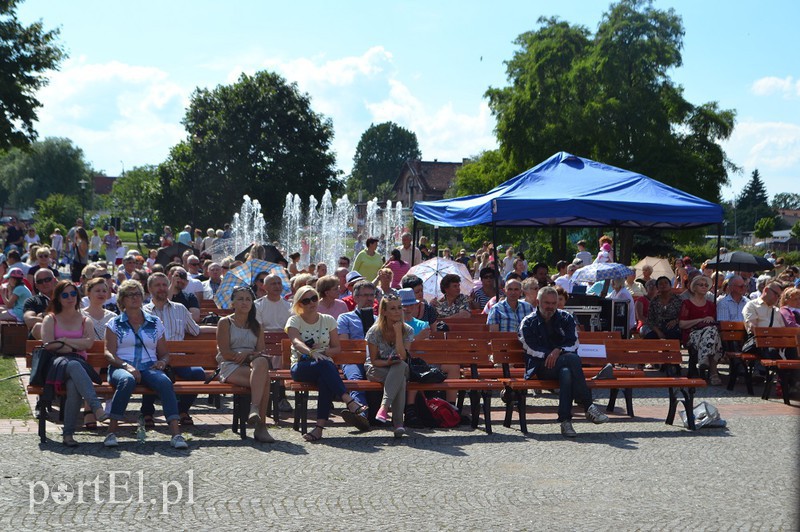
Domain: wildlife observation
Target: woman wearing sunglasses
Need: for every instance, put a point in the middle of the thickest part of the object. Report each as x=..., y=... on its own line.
x=73, y=334
x=241, y=358
x=314, y=343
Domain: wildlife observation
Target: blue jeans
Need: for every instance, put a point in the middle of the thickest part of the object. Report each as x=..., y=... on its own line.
x=124, y=383
x=185, y=402
x=356, y=372
x=326, y=376
x=571, y=381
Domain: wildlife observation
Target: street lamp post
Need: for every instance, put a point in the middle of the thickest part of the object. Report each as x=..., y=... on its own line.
x=83, y=184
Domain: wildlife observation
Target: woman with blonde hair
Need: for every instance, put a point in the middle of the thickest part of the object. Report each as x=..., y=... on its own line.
x=314, y=343
x=389, y=341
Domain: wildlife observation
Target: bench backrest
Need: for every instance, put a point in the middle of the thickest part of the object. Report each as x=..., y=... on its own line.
x=461, y=352
x=598, y=337
x=732, y=331
x=478, y=335
x=467, y=326
x=353, y=352
x=643, y=351
x=777, y=337
x=509, y=352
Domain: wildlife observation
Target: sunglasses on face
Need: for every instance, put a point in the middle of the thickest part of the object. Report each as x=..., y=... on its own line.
x=308, y=300
x=44, y=280
x=67, y=295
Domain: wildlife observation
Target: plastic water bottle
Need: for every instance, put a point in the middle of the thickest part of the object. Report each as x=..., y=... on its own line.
x=141, y=433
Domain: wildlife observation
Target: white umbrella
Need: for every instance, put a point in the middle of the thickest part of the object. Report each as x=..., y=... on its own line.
x=432, y=271
x=660, y=266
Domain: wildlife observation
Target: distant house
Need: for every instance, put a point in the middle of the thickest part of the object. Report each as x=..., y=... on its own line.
x=789, y=216
x=103, y=184
x=424, y=181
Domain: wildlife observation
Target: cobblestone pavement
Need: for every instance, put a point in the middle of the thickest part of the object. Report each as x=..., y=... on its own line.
x=629, y=474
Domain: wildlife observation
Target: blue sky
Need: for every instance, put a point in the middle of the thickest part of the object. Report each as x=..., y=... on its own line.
x=425, y=65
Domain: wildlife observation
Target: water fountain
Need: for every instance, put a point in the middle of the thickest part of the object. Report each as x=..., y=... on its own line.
x=323, y=234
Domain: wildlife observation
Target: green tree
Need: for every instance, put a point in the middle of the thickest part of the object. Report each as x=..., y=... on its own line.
x=26, y=54
x=785, y=200
x=752, y=204
x=258, y=136
x=764, y=228
x=796, y=231
x=51, y=166
x=380, y=155
x=134, y=196
x=63, y=210
x=609, y=97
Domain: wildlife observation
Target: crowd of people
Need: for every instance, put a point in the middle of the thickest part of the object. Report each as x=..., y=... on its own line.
x=69, y=296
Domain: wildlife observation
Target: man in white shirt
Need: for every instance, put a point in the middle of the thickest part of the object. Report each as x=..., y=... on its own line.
x=178, y=322
x=272, y=312
x=565, y=281
x=407, y=248
x=211, y=284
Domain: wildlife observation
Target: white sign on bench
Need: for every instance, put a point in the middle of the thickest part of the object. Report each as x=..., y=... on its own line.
x=592, y=351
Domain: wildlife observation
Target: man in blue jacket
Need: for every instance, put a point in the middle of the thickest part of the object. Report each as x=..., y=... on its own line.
x=551, y=344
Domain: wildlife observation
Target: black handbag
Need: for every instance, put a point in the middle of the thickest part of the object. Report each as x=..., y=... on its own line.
x=210, y=319
x=422, y=372
x=41, y=360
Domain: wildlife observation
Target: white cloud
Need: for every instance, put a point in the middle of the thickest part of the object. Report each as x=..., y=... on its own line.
x=771, y=147
x=114, y=111
x=787, y=87
x=444, y=133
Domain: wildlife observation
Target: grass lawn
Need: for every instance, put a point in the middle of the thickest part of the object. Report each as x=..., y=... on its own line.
x=13, y=404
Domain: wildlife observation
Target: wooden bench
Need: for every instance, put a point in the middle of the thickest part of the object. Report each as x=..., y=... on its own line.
x=778, y=338
x=13, y=335
x=734, y=334
x=186, y=353
x=461, y=352
x=624, y=352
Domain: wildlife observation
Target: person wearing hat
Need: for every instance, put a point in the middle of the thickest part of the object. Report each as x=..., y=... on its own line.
x=14, y=293
x=352, y=279
x=408, y=300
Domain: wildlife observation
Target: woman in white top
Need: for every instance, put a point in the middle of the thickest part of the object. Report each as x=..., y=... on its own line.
x=98, y=293
x=314, y=342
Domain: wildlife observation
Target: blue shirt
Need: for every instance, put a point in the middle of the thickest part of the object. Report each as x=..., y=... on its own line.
x=507, y=318
x=418, y=325
x=350, y=324
x=729, y=310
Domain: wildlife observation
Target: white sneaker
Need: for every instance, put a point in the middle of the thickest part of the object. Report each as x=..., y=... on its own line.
x=594, y=415
x=111, y=440
x=178, y=442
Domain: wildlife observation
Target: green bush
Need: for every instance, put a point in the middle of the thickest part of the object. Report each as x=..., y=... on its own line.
x=45, y=228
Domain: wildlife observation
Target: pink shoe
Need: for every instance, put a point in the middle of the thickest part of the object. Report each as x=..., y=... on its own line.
x=382, y=416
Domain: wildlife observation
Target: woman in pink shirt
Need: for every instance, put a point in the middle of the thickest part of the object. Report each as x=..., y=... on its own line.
x=399, y=268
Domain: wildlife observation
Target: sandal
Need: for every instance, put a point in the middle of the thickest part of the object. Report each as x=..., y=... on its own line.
x=89, y=425
x=149, y=422
x=314, y=436
x=360, y=409
x=357, y=417
x=186, y=420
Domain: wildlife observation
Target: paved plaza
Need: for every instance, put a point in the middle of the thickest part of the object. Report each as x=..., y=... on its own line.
x=629, y=474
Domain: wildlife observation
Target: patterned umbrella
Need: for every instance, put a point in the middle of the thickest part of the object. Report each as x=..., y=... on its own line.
x=601, y=271
x=431, y=272
x=244, y=275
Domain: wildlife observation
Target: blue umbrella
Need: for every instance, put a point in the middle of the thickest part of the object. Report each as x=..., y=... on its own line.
x=244, y=275
x=601, y=271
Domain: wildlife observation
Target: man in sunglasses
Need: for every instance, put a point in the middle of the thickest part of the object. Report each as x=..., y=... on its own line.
x=178, y=283
x=36, y=306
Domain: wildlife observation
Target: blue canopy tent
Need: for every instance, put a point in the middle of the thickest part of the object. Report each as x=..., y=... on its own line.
x=570, y=191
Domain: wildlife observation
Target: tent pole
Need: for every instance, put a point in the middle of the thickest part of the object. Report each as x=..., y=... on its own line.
x=413, y=240
x=614, y=248
x=719, y=244
x=496, y=264
x=436, y=238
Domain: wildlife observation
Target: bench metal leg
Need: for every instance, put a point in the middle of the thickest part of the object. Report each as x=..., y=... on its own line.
x=510, y=396
x=750, y=367
x=487, y=411
x=43, y=423
x=474, y=407
x=522, y=399
x=771, y=373
x=628, y=400
x=786, y=381
x=673, y=407
x=733, y=374
x=612, y=399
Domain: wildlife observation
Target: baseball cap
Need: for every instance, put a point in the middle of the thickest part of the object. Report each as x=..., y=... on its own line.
x=16, y=273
